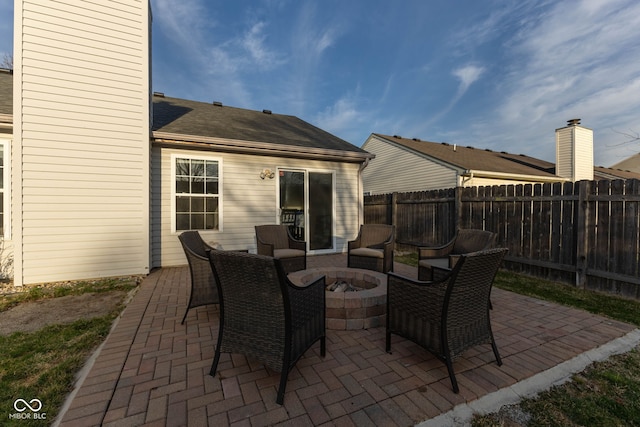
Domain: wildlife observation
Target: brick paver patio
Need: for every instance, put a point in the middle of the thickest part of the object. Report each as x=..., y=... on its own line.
x=154, y=371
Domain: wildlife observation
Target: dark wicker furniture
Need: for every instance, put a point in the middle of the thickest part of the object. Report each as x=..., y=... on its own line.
x=203, y=287
x=373, y=248
x=263, y=315
x=446, y=256
x=449, y=316
x=276, y=241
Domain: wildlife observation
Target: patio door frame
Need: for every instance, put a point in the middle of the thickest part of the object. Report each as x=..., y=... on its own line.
x=306, y=172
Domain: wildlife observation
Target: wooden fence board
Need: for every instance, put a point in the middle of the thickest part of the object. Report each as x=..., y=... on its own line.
x=585, y=233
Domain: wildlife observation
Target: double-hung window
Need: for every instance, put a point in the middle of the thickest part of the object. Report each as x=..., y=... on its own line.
x=197, y=193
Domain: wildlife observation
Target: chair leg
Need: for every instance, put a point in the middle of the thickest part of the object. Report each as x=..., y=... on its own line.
x=214, y=365
x=388, y=342
x=452, y=375
x=323, y=346
x=495, y=351
x=185, y=316
x=282, y=386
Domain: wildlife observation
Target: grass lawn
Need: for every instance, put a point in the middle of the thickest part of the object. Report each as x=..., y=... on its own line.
x=43, y=364
x=605, y=394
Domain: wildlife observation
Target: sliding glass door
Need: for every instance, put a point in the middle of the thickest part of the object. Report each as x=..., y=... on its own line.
x=306, y=204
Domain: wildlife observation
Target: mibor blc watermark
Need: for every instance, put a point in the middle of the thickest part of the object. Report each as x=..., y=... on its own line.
x=28, y=410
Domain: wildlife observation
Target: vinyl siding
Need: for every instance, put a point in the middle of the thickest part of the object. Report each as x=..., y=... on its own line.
x=83, y=96
x=564, y=153
x=584, y=154
x=247, y=201
x=574, y=153
x=398, y=169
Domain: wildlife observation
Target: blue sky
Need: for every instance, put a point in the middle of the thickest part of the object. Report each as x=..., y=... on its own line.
x=496, y=74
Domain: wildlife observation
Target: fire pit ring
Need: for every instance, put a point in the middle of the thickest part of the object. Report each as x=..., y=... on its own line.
x=363, y=309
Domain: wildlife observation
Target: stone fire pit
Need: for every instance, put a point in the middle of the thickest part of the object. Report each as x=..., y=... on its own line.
x=363, y=309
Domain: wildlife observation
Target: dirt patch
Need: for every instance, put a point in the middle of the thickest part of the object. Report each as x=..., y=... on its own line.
x=32, y=316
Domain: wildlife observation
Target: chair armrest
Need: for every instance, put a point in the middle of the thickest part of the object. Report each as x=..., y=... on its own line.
x=295, y=243
x=436, y=251
x=431, y=293
x=307, y=301
x=354, y=244
x=264, y=248
x=198, y=256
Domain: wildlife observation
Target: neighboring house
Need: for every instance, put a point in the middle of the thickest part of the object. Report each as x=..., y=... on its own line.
x=403, y=164
x=630, y=164
x=100, y=176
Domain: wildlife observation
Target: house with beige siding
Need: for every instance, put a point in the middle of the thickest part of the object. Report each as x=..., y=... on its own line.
x=410, y=164
x=100, y=175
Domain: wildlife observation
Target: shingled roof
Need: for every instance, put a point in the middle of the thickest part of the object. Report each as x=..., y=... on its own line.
x=213, y=120
x=477, y=159
x=254, y=131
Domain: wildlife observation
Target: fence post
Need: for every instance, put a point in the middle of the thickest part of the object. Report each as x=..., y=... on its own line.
x=457, y=205
x=582, y=234
x=394, y=208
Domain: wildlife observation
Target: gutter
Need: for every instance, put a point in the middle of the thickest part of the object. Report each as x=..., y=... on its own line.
x=361, y=189
x=469, y=174
x=261, y=148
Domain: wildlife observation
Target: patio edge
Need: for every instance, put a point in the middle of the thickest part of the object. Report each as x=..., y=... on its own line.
x=461, y=414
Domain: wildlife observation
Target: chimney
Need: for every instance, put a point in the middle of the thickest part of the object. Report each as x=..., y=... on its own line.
x=574, y=151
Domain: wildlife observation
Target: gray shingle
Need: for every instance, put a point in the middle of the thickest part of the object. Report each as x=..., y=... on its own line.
x=186, y=117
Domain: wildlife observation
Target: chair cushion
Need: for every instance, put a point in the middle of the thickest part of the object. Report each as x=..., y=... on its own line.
x=287, y=253
x=436, y=262
x=368, y=252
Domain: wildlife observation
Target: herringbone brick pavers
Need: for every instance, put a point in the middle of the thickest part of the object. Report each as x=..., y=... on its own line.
x=152, y=370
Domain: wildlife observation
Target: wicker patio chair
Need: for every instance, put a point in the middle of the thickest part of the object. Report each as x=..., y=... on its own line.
x=446, y=256
x=263, y=315
x=276, y=241
x=449, y=316
x=373, y=248
x=203, y=287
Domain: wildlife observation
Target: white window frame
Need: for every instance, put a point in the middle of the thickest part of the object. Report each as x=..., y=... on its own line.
x=6, y=190
x=190, y=156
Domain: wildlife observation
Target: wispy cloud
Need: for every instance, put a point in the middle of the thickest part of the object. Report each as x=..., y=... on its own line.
x=311, y=37
x=467, y=75
x=254, y=42
x=221, y=58
x=572, y=59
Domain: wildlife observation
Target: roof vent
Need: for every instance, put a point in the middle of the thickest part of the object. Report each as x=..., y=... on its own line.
x=470, y=147
x=160, y=94
x=444, y=143
x=266, y=111
x=573, y=122
x=397, y=136
x=217, y=103
x=416, y=139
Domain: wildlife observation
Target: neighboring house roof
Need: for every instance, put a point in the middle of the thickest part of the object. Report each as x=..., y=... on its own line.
x=631, y=163
x=485, y=160
x=237, y=129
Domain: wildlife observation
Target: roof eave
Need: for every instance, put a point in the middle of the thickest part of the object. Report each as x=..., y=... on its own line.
x=258, y=148
x=6, y=121
x=512, y=176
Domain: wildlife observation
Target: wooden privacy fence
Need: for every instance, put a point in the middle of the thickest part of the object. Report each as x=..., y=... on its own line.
x=585, y=233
